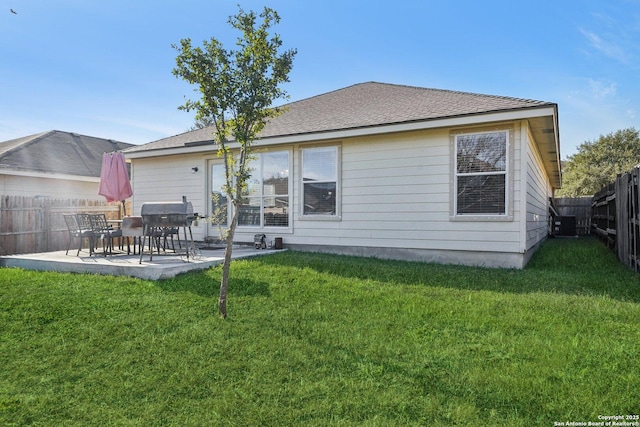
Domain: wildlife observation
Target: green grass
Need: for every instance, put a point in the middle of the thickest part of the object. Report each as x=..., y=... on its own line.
x=326, y=340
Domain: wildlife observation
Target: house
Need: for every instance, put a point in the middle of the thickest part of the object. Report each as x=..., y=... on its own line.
x=381, y=170
x=55, y=164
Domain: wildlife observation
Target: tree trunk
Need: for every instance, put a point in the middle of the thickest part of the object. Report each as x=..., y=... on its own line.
x=224, y=282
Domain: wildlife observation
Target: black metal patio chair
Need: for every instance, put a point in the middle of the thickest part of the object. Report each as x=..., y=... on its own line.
x=104, y=231
x=78, y=231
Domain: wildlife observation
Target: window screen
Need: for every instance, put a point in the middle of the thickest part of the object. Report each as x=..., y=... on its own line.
x=481, y=173
x=266, y=198
x=319, y=180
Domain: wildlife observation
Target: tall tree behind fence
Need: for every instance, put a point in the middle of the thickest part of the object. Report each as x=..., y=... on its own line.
x=616, y=217
x=36, y=224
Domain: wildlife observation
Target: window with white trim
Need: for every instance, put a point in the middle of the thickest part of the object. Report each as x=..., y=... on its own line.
x=320, y=181
x=219, y=199
x=266, y=198
x=481, y=161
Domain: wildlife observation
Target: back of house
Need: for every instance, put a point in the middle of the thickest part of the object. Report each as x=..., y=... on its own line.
x=380, y=170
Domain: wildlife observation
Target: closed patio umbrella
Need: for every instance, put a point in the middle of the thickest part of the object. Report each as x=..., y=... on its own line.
x=114, y=178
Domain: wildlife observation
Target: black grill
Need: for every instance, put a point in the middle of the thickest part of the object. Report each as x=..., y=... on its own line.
x=167, y=214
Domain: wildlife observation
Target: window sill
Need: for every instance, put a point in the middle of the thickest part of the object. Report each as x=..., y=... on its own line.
x=266, y=230
x=331, y=218
x=481, y=218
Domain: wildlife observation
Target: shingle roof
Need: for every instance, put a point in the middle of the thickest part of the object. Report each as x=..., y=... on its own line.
x=365, y=105
x=57, y=152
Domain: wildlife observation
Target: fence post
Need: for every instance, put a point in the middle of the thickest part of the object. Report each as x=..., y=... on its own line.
x=634, y=219
x=46, y=224
x=621, y=188
x=619, y=203
x=3, y=251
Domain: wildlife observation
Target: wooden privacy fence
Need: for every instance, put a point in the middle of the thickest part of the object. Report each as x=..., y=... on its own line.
x=603, y=219
x=616, y=217
x=36, y=224
x=578, y=209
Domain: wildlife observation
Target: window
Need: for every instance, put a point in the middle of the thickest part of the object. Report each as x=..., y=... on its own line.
x=219, y=205
x=319, y=181
x=266, y=199
x=481, y=173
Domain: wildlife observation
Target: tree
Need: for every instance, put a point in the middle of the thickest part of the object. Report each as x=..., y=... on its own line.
x=201, y=123
x=237, y=89
x=597, y=163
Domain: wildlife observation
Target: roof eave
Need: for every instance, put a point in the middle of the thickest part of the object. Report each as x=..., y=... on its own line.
x=440, y=122
x=545, y=134
x=453, y=121
x=48, y=175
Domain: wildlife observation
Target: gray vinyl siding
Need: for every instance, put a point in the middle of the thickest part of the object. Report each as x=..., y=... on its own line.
x=159, y=179
x=55, y=187
x=395, y=194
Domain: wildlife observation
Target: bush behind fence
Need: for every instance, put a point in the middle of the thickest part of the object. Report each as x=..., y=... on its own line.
x=36, y=224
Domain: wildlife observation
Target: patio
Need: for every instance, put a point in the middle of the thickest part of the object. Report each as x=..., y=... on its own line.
x=162, y=266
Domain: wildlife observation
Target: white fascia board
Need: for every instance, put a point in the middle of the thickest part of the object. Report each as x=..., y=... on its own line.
x=189, y=149
x=34, y=174
x=469, y=120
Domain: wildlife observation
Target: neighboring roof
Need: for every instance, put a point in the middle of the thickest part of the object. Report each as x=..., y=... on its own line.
x=57, y=152
x=364, y=105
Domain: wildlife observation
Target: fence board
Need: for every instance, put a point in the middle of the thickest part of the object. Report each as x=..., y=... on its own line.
x=616, y=217
x=632, y=239
x=36, y=224
x=603, y=220
x=578, y=207
x=622, y=216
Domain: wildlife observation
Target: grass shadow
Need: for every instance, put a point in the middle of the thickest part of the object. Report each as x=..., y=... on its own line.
x=581, y=266
x=206, y=283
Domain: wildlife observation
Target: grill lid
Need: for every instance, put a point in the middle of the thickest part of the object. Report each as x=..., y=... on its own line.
x=167, y=208
x=167, y=214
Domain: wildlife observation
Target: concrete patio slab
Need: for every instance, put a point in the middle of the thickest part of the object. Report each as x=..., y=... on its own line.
x=162, y=266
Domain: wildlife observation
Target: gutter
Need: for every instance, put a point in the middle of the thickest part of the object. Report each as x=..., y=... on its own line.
x=313, y=136
x=36, y=174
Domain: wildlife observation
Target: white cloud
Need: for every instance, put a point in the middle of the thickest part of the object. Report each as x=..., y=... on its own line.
x=590, y=109
x=602, y=88
x=609, y=48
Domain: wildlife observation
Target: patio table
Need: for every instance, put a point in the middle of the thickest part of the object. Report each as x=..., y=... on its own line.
x=132, y=227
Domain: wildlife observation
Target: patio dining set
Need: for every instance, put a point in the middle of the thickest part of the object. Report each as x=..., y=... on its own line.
x=96, y=228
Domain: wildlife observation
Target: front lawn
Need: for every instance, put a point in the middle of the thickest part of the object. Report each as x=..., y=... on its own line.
x=326, y=340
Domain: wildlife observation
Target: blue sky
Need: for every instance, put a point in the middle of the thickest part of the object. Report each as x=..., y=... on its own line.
x=103, y=68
